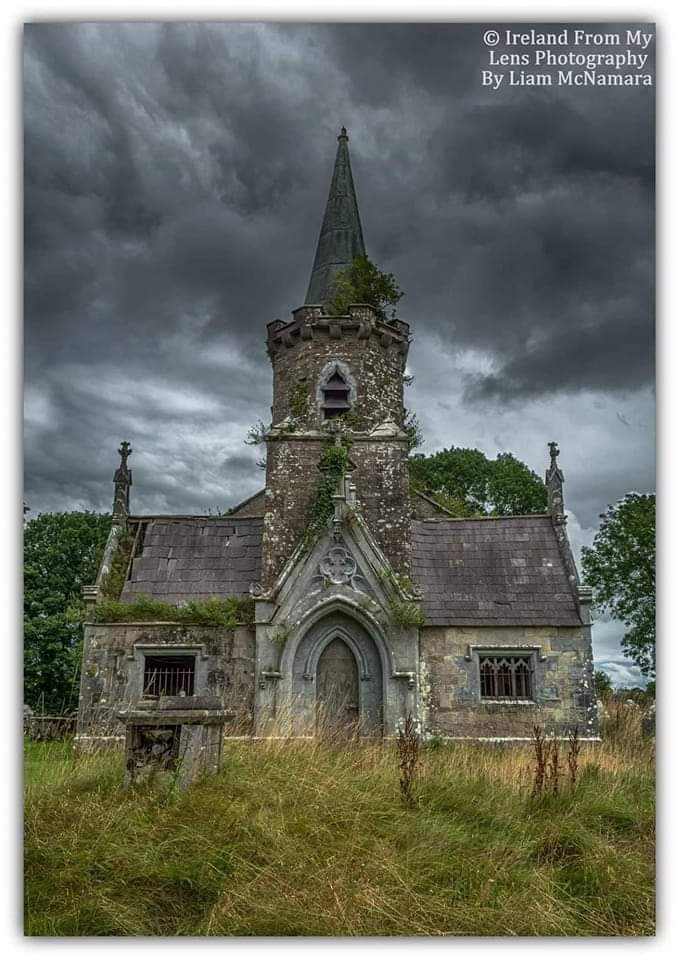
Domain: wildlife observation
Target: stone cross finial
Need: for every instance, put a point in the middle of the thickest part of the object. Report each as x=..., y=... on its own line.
x=122, y=480
x=343, y=135
x=554, y=485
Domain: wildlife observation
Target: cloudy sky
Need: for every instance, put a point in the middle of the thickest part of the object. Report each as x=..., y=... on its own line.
x=175, y=180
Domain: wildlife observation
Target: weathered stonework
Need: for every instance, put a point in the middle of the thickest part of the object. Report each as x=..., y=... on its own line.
x=370, y=353
x=180, y=738
x=382, y=491
x=450, y=681
x=362, y=589
x=373, y=350
x=113, y=669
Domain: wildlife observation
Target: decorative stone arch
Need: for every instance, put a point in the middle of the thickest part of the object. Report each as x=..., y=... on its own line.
x=316, y=651
x=299, y=665
x=352, y=610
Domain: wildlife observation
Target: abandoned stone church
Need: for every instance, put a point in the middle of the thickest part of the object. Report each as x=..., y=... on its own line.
x=370, y=602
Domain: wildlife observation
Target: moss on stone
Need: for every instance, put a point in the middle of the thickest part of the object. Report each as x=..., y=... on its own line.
x=229, y=612
x=334, y=462
x=114, y=581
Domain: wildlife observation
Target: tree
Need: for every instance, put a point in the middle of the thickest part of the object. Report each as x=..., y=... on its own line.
x=363, y=282
x=469, y=484
x=602, y=682
x=61, y=554
x=620, y=567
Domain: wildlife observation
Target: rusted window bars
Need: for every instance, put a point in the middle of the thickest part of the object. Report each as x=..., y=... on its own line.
x=169, y=676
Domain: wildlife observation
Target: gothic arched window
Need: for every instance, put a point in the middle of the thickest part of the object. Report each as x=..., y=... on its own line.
x=335, y=393
x=506, y=678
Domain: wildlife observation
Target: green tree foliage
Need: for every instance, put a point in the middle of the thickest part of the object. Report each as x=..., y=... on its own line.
x=363, y=282
x=602, y=682
x=620, y=567
x=469, y=484
x=61, y=554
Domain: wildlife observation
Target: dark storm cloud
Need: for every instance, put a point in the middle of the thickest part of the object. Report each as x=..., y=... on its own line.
x=175, y=178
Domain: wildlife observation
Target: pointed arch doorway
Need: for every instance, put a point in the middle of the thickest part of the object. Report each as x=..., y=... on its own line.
x=336, y=678
x=337, y=692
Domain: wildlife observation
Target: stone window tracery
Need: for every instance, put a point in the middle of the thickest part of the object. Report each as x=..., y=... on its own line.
x=506, y=677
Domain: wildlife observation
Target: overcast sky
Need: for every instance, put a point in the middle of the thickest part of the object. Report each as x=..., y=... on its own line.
x=175, y=181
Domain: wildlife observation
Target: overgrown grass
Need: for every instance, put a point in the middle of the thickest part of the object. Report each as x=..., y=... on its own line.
x=295, y=838
x=213, y=612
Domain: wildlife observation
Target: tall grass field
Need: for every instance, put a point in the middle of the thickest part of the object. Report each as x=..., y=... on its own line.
x=313, y=839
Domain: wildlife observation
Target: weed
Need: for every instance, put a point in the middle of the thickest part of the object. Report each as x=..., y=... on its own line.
x=574, y=749
x=541, y=761
x=408, y=757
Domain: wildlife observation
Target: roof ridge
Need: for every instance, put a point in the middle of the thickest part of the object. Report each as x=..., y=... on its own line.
x=507, y=516
x=135, y=518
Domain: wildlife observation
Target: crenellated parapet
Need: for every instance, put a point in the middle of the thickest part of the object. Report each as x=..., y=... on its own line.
x=367, y=352
x=362, y=322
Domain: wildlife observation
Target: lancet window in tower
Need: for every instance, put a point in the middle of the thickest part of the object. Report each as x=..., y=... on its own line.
x=335, y=396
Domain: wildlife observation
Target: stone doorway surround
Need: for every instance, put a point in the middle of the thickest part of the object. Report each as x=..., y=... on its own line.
x=342, y=588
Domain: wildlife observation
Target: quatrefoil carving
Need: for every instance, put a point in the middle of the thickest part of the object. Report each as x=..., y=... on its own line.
x=338, y=566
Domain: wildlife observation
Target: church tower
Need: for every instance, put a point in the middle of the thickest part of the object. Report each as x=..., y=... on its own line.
x=337, y=381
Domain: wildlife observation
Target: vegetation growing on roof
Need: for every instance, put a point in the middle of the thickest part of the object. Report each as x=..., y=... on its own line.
x=407, y=613
x=229, y=612
x=114, y=581
x=399, y=581
x=363, y=282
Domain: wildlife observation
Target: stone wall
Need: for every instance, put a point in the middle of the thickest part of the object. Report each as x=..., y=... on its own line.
x=450, y=682
x=113, y=666
x=371, y=355
x=381, y=479
x=373, y=351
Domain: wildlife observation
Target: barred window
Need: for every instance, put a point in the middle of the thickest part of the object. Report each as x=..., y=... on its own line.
x=506, y=677
x=170, y=676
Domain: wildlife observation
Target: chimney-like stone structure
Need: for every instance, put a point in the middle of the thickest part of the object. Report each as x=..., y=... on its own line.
x=356, y=361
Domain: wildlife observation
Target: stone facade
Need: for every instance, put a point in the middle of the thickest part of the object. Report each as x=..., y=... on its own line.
x=113, y=670
x=370, y=354
x=386, y=606
x=563, y=693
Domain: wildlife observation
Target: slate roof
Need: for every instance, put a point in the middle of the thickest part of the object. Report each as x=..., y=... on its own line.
x=506, y=571
x=194, y=558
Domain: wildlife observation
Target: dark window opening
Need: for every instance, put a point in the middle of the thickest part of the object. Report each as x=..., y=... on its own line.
x=507, y=678
x=169, y=676
x=335, y=396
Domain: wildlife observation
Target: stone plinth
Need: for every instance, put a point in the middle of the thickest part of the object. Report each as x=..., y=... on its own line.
x=176, y=738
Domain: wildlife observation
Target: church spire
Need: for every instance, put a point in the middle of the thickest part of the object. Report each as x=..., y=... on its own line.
x=341, y=235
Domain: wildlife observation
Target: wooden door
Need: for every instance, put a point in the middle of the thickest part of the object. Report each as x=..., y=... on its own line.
x=337, y=691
